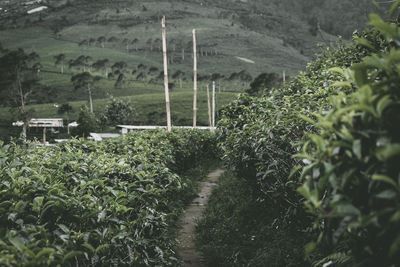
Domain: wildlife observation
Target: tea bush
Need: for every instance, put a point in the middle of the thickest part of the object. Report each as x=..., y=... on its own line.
x=352, y=179
x=86, y=203
x=260, y=136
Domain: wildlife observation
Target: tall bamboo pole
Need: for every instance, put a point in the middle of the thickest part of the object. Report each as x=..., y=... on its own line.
x=44, y=136
x=213, y=105
x=164, y=44
x=194, y=79
x=284, y=78
x=209, y=108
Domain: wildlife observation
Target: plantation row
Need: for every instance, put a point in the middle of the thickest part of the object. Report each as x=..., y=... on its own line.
x=331, y=139
x=83, y=203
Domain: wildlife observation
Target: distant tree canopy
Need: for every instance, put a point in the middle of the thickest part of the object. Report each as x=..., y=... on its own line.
x=262, y=82
x=64, y=108
x=117, y=112
x=17, y=77
x=86, y=81
x=59, y=60
x=87, y=122
x=18, y=81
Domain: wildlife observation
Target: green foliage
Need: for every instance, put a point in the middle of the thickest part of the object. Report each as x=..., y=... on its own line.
x=259, y=136
x=17, y=77
x=84, y=203
x=262, y=83
x=64, y=108
x=238, y=230
x=352, y=180
x=87, y=122
x=117, y=112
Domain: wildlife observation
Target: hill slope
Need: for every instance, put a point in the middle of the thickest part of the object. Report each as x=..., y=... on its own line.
x=231, y=36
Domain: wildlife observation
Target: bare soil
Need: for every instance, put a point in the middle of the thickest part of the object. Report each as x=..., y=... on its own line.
x=186, y=238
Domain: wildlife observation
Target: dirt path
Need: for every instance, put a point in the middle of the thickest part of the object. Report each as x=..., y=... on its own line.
x=187, y=249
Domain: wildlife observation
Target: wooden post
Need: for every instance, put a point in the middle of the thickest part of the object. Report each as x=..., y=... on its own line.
x=194, y=79
x=44, y=136
x=284, y=78
x=164, y=44
x=209, y=108
x=213, y=105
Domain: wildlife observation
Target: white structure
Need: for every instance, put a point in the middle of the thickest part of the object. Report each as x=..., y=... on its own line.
x=32, y=2
x=73, y=124
x=103, y=136
x=38, y=9
x=127, y=128
x=42, y=123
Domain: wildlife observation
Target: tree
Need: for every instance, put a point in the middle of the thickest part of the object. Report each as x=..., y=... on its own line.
x=65, y=108
x=101, y=40
x=134, y=42
x=153, y=70
x=178, y=75
x=101, y=65
x=126, y=42
x=86, y=122
x=85, y=80
x=59, y=60
x=263, y=81
x=117, y=112
x=141, y=76
x=81, y=62
x=91, y=41
x=120, y=65
x=83, y=42
x=150, y=43
x=120, y=81
x=18, y=81
x=158, y=42
x=112, y=39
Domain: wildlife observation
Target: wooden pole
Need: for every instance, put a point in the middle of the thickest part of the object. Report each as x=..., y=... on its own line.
x=209, y=108
x=44, y=136
x=284, y=78
x=194, y=79
x=213, y=105
x=164, y=44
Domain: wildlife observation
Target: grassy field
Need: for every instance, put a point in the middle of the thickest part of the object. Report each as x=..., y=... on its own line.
x=255, y=37
x=150, y=110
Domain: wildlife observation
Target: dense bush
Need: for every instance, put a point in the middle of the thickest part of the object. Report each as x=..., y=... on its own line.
x=238, y=230
x=352, y=179
x=117, y=112
x=104, y=204
x=260, y=136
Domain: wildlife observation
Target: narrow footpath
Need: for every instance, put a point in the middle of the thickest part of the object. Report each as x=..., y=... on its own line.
x=186, y=238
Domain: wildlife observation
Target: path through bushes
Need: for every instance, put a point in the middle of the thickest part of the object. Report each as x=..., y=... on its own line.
x=187, y=249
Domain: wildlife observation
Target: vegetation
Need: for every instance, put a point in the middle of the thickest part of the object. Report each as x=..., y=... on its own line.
x=88, y=203
x=117, y=112
x=119, y=42
x=241, y=231
x=352, y=176
x=347, y=160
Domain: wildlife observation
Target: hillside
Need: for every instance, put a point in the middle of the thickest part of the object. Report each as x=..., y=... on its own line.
x=231, y=36
x=119, y=41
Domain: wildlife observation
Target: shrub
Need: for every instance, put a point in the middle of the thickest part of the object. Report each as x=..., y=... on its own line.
x=117, y=112
x=352, y=179
x=87, y=122
x=82, y=203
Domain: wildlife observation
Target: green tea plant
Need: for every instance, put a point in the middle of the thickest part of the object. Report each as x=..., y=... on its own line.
x=260, y=136
x=352, y=179
x=84, y=203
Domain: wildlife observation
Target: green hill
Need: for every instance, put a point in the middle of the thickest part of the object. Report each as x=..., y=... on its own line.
x=237, y=40
x=233, y=36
